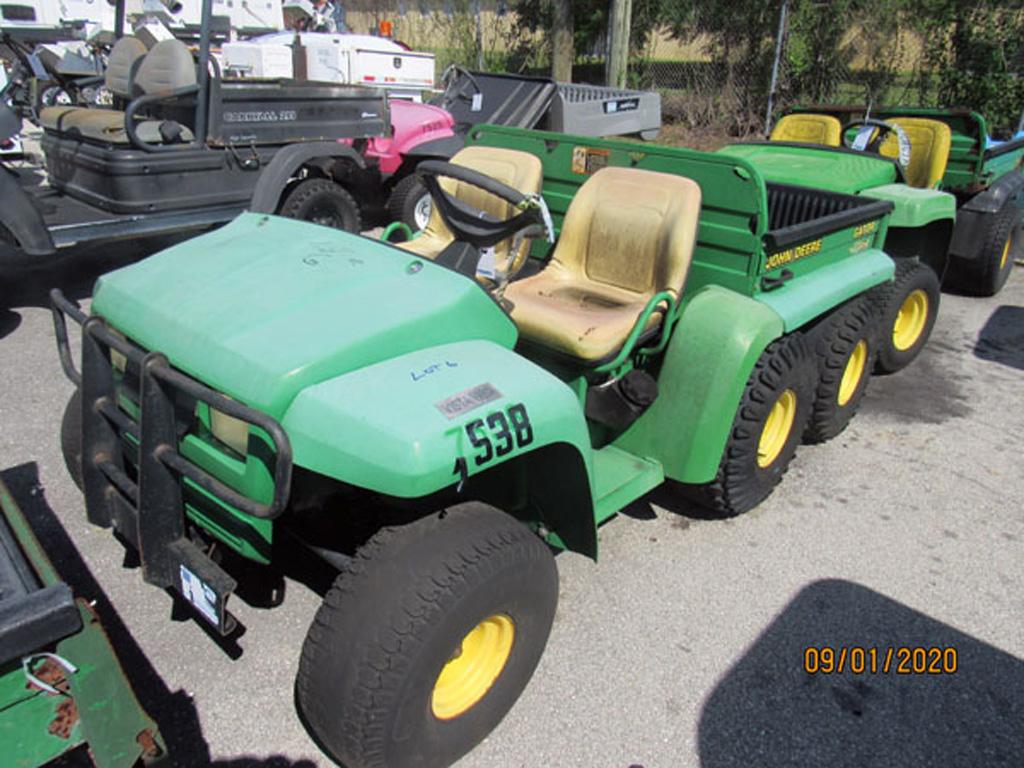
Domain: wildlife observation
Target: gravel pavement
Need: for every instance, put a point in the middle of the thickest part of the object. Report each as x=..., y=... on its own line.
x=684, y=645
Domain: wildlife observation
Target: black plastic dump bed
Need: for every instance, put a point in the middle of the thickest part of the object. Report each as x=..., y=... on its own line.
x=800, y=213
x=512, y=100
x=32, y=616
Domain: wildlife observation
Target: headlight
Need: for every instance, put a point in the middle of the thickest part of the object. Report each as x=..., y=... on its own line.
x=233, y=432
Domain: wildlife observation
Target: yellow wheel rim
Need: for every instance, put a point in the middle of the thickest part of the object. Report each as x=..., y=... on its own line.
x=1006, y=252
x=853, y=373
x=473, y=668
x=910, y=320
x=776, y=429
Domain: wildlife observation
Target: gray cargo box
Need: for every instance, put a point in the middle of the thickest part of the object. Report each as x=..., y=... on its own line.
x=594, y=110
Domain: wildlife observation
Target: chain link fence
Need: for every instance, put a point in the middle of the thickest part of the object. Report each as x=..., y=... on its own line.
x=728, y=68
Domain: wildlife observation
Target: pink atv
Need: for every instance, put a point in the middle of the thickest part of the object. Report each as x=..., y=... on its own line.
x=436, y=132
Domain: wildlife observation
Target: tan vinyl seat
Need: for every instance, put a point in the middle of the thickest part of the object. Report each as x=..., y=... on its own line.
x=167, y=67
x=117, y=79
x=809, y=129
x=930, y=142
x=519, y=170
x=628, y=234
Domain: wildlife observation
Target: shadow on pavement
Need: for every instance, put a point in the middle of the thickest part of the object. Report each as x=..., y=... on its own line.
x=768, y=712
x=1001, y=340
x=74, y=272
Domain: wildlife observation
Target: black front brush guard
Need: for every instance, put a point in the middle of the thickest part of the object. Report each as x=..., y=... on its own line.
x=150, y=512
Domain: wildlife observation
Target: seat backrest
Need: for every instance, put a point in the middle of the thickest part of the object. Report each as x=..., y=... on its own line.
x=124, y=54
x=930, y=141
x=808, y=129
x=631, y=229
x=167, y=67
x=519, y=170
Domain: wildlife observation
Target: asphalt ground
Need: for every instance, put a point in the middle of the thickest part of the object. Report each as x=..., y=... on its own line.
x=685, y=644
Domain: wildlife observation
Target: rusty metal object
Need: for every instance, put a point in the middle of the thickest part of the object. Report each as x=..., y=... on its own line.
x=147, y=741
x=66, y=719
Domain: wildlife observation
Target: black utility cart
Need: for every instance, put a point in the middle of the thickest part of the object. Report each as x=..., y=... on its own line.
x=183, y=147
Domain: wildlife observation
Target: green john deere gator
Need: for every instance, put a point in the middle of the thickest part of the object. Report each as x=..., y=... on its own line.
x=957, y=197
x=433, y=418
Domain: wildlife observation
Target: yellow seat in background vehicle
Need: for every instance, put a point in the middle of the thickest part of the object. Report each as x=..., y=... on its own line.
x=519, y=170
x=808, y=129
x=930, y=142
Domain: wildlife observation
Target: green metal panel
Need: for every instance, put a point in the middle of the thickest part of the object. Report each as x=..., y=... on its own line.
x=718, y=339
x=110, y=718
x=621, y=478
x=815, y=167
x=266, y=306
x=798, y=302
x=733, y=215
x=381, y=427
x=914, y=207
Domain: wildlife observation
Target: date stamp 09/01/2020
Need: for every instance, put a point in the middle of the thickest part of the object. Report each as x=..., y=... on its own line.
x=900, y=660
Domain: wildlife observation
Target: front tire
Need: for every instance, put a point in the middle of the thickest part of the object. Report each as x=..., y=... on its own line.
x=766, y=430
x=71, y=437
x=427, y=639
x=410, y=203
x=324, y=202
x=906, y=309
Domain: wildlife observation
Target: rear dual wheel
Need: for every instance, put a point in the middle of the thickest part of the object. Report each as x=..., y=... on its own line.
x=844, y=347
x=987, y=273
x=427, y=639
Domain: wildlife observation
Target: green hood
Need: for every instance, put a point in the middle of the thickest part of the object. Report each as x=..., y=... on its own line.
x=265, y=307
x=816, y=167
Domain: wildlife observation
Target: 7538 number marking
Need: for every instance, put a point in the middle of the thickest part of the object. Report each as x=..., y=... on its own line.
x=498, y=433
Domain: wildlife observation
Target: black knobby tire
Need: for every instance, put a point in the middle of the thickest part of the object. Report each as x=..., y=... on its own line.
x=324, y=202
x=71, y=437
x=399, y=612
x=844, y=349
x=741, y=483
x=886, y=301
x=406, y=197
x=987, y=273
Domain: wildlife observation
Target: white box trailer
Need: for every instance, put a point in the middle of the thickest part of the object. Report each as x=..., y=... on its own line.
x=245, y=17
x=335, y=58
x=53, y=20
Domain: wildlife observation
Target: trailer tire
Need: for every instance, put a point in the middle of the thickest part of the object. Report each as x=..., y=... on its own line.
x=905, y=310
x=324, y=202
x=845, y=348
x=987, y=273
x=470, y=587
x=71, y=437
x=410, y=203
x=766, y=430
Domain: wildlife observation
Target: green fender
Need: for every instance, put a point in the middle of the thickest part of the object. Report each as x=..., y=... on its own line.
x=717, y=340
x=816, y=293
x=914, y=207
x=395, y=428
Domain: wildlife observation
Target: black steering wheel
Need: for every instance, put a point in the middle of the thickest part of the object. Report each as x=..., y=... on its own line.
x=468, y=223
x=455, y=81
x=873, y=140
